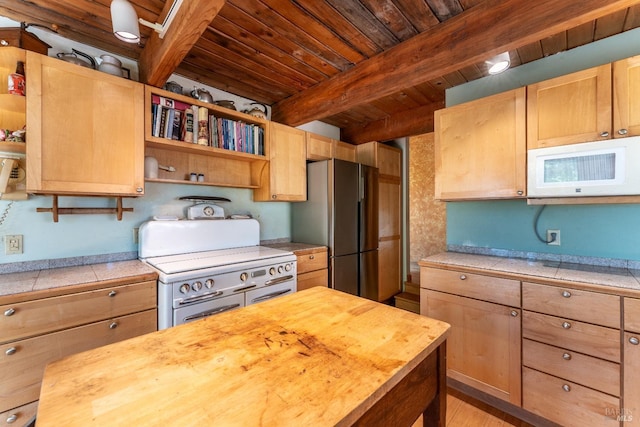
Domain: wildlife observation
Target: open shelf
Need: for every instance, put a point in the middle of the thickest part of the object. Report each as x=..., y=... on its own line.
x=221, y=167
x=13, y=147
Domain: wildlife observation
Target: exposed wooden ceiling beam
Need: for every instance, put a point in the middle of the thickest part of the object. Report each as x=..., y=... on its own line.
x=492, y=27
x=160, y=57
x=405, y=123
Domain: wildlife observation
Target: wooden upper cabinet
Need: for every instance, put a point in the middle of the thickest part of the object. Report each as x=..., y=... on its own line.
x=320, y=147
x=570, y=109
x=626, y=97
x=480, y=148
x=285, y=177
x=86, y=130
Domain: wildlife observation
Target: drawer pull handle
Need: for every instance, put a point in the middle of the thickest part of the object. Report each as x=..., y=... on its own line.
x=566, y=294
x=463, y=277
x=566, y=356
x=113, y=325
x=112, y=294
x=9, y=312
x=566, y=387
x=514, y=313
x=312, y=257
x=12, y=419
x=634, y=340
x=566, y=325
x=10, y=351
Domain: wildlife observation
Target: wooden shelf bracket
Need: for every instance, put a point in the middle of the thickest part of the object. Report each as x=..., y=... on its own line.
x=55, y=210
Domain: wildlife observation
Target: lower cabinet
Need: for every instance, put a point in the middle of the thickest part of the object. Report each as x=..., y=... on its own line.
x=549, y=351
x=20, y=416
x=312, y=267
x=39, y=331
x=484, y=346
x=571, y=355
x=630, y=410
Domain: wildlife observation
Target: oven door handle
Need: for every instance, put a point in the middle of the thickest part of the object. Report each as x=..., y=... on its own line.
x=278, y=280
x=211, y=312
x=197, y=298
x=271, y=295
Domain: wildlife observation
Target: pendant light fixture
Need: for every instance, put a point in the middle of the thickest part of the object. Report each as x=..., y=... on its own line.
x=499, y=63
x=124, y=20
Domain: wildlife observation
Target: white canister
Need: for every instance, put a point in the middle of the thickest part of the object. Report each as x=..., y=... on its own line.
x=150, y=167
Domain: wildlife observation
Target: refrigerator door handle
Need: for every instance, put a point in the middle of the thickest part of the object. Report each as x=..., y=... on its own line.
x=362, y=189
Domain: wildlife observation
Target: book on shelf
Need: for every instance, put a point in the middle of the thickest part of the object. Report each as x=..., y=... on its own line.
x=176, y=133
x=187, y=125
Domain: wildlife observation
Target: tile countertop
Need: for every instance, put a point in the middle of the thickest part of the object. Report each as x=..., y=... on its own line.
x=59, y=281
x=297, y=247
x=616, y=280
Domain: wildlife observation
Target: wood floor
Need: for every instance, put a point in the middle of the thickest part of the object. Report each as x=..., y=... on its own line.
x=464, y=411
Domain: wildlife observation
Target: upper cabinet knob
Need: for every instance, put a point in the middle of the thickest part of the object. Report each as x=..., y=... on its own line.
x=566, y=294
x=9, y=312
x=520, y=192
x=604, y=134
x=463, y=277
x=622, y=132
x=634, y=340
x=139, y=190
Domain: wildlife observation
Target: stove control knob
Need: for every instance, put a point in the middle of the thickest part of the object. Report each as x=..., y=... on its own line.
x=243, y=276
x=287, y=267
x=272, y=271
x=196, y=286
x=209, y=283
x=185, y=288
x=280, y=269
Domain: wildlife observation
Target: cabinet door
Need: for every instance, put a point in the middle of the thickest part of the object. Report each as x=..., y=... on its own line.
x=318, y=147
x=626, y=97
x=285, y=177
x=483, y=348
x=24, y=361
x=570, y=109
x=389, y=273
x=631, y=379
x=86, y=130
x=344, y=151
x=481, y=148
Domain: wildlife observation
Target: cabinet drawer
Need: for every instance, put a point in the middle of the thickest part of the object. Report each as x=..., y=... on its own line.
x=632, y=314
x=567, y=403
x=35, y=317
x=500, y=291
x=576, y=367
x=313, y=278
x=22, y=362
x=583, y=337
x=311, y=261
x=592, y=307
x=19, y=416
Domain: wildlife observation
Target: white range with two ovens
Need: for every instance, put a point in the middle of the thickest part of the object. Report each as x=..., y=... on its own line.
x=207, y=267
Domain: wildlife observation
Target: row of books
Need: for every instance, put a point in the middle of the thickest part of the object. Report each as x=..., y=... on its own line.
x=180, y=121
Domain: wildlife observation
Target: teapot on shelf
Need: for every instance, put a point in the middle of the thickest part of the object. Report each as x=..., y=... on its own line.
x=73, y=58
x=202, y=95
x=258, y=112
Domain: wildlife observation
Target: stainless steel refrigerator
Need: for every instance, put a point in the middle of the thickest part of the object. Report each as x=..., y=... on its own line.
x=341, y=212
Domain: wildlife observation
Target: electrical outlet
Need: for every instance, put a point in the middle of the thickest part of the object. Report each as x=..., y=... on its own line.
x=553, y=237
x=13, y=244
x=135, y=236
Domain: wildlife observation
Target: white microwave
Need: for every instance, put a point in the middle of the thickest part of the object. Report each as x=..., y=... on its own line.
x=602, y=168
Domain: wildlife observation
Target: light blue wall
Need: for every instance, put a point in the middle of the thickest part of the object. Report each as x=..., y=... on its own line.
x=85, y=235
x=608, y=231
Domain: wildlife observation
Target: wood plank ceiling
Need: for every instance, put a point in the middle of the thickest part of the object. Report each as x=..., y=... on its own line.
x=376, y=69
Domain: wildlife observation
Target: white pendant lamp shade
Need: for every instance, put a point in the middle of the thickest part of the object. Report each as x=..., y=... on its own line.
x=125, y=21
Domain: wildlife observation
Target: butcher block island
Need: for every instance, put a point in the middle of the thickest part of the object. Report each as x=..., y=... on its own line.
x=318, y=357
